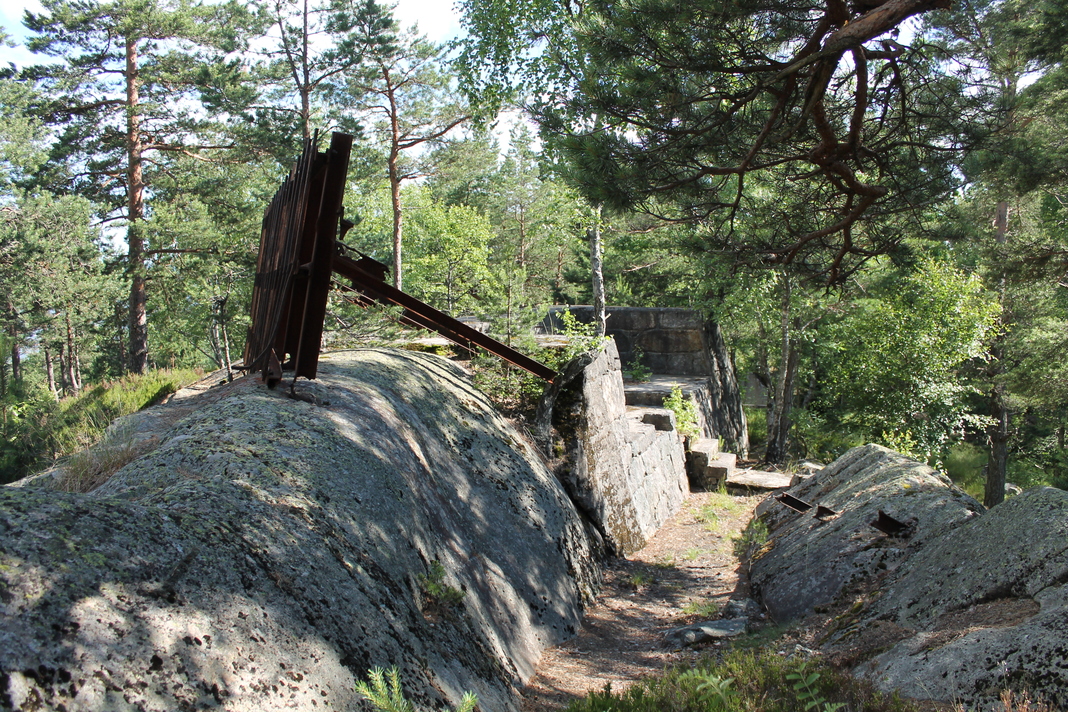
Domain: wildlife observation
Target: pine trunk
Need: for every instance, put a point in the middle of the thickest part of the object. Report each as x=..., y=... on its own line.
x=71, y=364
x=64, y=384
x=138, y=321
x=789, y=359
x=730, y=423
x=16, y=356
x=395, y=188
x=779, y=427
x=50, y=373
x=998, y=434
x=997, y=468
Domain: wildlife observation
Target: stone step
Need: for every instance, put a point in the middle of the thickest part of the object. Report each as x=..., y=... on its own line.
x=706, y=466
x=758, y=480
x=709, y=447
x=658, y=387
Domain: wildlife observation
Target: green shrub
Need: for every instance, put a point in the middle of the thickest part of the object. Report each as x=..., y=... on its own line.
x=438, y=594
x=685, y=411
x=756, y=418
x=638, y=371
x=751, y=540
x=963, y=463
x=818, y=439
x=48, y=430
x=581, y=338
x=512, y=390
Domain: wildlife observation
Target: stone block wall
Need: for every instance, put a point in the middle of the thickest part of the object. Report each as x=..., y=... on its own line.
x=626, y=476
x=670, y=339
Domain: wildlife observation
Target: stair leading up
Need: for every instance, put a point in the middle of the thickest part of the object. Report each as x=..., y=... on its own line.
x=707, y=467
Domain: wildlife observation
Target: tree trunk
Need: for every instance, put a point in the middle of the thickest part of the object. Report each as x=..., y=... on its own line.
x=16, y=356
x=225, y=333
x=395, y=187
x=214, y=341
x=779, y=427
x=16, y=363
x=72, y=369
x=728, y=416
x=997, y=468
x=593, y=235
x=138, y=321
x=998, y=434
x=50, y=373
x=789, y=359
x=305, y=86
x=64, y=384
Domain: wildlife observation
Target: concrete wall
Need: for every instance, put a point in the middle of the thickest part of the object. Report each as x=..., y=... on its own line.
x=670, y=339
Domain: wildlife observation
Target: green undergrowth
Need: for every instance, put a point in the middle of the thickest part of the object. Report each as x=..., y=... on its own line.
x=685, y=412
x=49, y=430
x=746, y=681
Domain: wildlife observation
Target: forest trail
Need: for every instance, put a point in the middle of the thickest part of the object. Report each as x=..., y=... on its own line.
x=685, y=573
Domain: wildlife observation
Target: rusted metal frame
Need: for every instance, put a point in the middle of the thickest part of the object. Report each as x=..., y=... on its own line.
x=890, y=526
x=297, y=215
x=824, y=512
x=406, y=318
x=788, y=500
x=320, y=266
x=303, y=237
x=430, y=318
x=275, y=265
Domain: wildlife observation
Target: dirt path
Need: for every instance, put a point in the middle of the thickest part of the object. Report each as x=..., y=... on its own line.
x=685, y=574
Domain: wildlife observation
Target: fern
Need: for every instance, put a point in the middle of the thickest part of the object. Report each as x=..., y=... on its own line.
x=385, y=693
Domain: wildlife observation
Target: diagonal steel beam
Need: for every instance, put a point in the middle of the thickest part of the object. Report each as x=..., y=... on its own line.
x=428, y=317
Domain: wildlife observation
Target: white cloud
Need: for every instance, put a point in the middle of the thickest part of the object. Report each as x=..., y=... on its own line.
x=437, y=19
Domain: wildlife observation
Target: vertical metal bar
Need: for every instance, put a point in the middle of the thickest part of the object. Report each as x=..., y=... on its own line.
x=306, y=362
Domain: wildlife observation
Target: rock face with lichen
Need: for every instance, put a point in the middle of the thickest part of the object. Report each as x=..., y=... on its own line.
x=270, y=551
x=809, y=561
x=957, y=607
x=625, y=475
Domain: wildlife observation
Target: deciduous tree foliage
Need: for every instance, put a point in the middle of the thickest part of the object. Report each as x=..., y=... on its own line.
x=892, y=370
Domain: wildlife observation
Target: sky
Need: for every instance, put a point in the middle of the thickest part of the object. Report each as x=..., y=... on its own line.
x=436, y=19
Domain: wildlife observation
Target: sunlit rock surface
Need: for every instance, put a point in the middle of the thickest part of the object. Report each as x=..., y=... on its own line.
x=957, y=607
x=270, y=551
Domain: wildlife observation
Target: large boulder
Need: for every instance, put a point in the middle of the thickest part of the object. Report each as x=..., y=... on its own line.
x=809, y=561
x=270, y=551
x=958, y=606
x=988, y=606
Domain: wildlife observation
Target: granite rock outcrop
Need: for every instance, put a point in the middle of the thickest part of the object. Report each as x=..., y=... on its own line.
x=956, y=604
x=269, y=551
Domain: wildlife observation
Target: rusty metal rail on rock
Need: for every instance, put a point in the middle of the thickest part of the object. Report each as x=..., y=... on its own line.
x=300, y=251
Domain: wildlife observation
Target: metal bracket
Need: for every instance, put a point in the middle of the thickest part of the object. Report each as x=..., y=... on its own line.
x=793, y=503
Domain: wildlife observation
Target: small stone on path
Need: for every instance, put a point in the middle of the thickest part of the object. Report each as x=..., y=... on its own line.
x=704, y=632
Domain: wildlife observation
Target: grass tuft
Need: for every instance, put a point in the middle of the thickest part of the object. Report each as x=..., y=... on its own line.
x=71, y=426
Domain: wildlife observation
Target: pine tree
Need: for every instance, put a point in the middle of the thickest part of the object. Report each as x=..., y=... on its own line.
x=124, y=91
